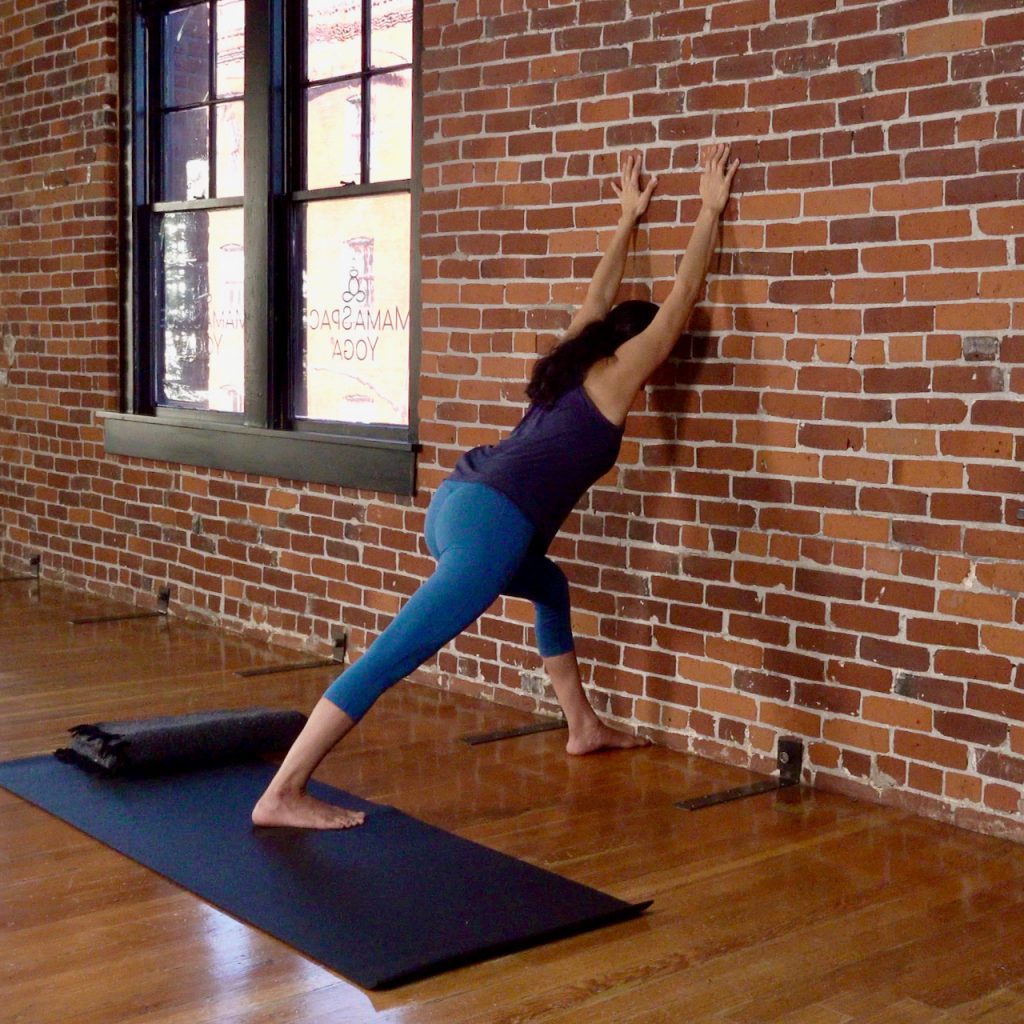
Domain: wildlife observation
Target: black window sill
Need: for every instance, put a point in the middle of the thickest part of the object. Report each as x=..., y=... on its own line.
x=387, y=466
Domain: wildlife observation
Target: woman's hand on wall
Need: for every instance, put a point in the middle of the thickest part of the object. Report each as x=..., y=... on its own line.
x=633, y=198
x=716, y=181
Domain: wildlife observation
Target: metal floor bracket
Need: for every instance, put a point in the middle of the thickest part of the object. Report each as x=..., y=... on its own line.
x=33, y=563
x=163, y=602
x=790, y=759
x=508, y=734
x=287, y=666
x=337, y=658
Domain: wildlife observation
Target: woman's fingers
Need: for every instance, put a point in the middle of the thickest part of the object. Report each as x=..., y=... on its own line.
x=645, y=196
x=716, y=157
x=631, y=171
x=627, y=187
x=627, y=169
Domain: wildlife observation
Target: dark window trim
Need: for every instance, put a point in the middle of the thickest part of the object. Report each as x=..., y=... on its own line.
x=261, y=440
x=315, y=458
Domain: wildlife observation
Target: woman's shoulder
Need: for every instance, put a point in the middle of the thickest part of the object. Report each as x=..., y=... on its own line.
x=604, y=392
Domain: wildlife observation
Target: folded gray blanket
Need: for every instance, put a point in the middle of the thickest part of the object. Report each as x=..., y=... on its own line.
x=180, y=742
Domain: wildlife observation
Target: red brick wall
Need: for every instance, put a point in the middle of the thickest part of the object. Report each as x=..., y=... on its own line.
x=814, y=527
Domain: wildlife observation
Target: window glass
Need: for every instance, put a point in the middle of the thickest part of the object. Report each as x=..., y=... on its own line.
x=230, y=59
x=201, y=358
x=390, y=125
x=186, y=163
x=337, y=151
x=190, y=113
x=355, y=338
x=390, y=33
x=334, y=131
x=334, y=44
x=186, y=51
x=229, y=148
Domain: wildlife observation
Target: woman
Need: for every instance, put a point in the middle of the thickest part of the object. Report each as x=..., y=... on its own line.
x=490, y=523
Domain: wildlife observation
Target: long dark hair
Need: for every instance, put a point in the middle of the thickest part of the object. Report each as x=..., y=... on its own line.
x=567, y=363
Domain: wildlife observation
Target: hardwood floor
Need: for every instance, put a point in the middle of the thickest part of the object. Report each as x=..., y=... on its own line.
x=790, y=908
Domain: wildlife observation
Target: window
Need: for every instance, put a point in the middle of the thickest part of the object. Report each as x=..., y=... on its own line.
x=269, y=254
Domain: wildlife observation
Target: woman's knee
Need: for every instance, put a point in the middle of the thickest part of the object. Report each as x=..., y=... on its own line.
x=553, y=611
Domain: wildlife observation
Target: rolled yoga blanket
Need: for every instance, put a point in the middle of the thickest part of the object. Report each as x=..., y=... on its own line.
x=180, y=742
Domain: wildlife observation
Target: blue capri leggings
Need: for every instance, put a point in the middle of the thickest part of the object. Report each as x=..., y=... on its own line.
x=482, y=545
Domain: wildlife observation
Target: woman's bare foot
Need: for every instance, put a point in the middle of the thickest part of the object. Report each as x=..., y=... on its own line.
x=300, y=810
x=597, y=736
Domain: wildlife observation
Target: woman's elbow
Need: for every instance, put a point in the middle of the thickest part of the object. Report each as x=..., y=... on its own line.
x=690, y=291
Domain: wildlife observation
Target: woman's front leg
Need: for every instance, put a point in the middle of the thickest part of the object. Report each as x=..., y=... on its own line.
x=286, y=802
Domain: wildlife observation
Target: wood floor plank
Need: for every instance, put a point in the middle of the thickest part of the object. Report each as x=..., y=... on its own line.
x=1001, y=1006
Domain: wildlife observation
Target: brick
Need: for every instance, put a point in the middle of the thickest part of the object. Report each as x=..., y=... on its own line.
x=1004, y=641
x=1001, y=766
x=971, y=728
x=930, y=749
x=927, y=779
x=834, y=699
x=909, y=12
x=946, y=37
x=858, y=735
x=967, y=665
x=1003, y=798
x=895, y=654
x=899, y=713
x=1000, y=221
x=1007, y=29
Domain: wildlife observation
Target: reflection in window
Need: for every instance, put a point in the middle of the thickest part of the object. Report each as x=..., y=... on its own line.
x=202, y=362
x=390, y=121
x=230, y=59
x=355, y=356
x=340, y=148
x=186, y=154
x=200, y=355
x=352, y=361
x=334, y=126
x=201, y=128
x=229, y=149
x=334, y=43
x=186, y=52
x=391, y=33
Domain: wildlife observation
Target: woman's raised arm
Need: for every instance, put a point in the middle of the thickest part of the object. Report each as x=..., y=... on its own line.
x=604, y=285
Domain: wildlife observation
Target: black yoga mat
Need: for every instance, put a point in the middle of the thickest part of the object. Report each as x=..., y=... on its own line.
x=392, y=900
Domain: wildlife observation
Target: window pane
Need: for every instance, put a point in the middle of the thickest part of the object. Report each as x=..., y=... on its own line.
x=201, y=311
x=334, y=44
x=390, y=33
x=186, y=163
x=355, y=358
x=230, y=48
x=390, y=125
x=228, y=119
x=333, y=134
x=187, y=56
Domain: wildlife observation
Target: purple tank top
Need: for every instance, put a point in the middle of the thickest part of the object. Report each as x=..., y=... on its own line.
x=549, y=461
